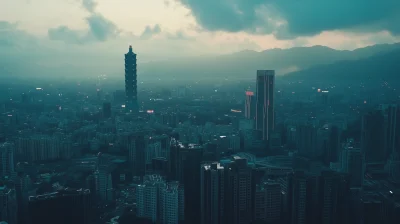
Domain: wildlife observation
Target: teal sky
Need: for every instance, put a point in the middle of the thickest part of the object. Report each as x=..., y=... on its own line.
x=161, y=28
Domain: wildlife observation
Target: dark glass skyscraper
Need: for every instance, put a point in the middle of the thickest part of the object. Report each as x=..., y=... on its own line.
x=265, y=102
x=373, y=142
x=131, y=81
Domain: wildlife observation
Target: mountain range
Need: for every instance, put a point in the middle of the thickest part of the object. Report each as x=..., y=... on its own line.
x=379, y=67
x=295, y=63
x=243, y=65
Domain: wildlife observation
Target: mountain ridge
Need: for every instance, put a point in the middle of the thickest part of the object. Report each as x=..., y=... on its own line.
x=381, y=66
x=239, y=65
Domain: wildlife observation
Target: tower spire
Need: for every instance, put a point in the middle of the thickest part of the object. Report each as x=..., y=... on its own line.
x=131, y=81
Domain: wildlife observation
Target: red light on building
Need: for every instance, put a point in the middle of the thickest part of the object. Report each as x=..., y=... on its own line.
x=249, y=93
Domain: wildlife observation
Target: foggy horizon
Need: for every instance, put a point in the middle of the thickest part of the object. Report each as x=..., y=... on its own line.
x=199, y=112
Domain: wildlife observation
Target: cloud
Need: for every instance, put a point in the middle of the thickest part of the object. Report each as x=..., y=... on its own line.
x=6, y=35
x=89, y=5
x=100, y=28
x=179, y=35
x=290, y=19
x=149, y=31
x=167, y=3
x=65, y=34
x=14, y=39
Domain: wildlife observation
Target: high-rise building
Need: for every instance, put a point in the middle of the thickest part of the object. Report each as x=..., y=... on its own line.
x=238, y=191
x=306, y=140
x=333, y=190
x=147, y=197
x=137, y=156
x=38, y=148
x=159, y=201
x=6, y=159
x=131, y=81
x=171, y=203
x=299, y=198
x=103, y=185
x=268, y=202
x=373, y=141
x=64, y=206
x=352, y=162
x=102, y=178
x=106, y=110
x=212, y=193
x=8, y=205
x=391, y=114
x=265, y=102
x=250, y=105
x=328, y=138
x=22, y=187
x=186, y=170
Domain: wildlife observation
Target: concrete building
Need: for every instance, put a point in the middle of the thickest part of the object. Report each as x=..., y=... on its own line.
x=238, y=191
x=212, y=193
x=159, y=201
x=268, y=202
x=8, y=205
x=352, y=162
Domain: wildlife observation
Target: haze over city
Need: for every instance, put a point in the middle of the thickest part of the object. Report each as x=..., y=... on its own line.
x=199, y=111
x=88, y=33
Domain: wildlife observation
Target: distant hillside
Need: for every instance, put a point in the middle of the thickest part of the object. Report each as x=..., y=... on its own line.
x=383, y=66
x=240, y=65
x=244, y=64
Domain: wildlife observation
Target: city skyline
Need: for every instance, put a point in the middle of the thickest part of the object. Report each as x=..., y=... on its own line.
x=132, y=111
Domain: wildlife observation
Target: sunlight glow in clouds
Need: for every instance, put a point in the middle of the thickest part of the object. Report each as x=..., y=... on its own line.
x=183, y=26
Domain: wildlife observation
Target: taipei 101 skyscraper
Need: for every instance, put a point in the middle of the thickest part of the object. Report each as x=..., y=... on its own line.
x=131, y=81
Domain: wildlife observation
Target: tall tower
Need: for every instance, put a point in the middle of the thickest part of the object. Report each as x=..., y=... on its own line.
x=131, y=81
x=265, y=102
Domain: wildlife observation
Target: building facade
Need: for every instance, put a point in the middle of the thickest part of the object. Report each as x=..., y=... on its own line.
x=265, y=102
x=131, y=81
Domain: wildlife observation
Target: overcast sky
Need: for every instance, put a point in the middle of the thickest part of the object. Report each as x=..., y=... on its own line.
x=162, y=28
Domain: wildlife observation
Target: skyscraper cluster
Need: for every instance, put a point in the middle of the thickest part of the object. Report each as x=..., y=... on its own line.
x=189, y=155
x=160, y=201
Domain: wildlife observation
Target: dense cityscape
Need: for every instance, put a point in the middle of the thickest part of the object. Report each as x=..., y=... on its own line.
x=199, y=112
x=256, y=152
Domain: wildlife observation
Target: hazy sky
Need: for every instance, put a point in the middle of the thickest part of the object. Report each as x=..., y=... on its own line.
x=167, y=28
